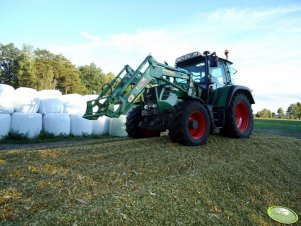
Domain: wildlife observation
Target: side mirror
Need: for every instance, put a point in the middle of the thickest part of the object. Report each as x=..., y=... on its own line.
x=213, y=60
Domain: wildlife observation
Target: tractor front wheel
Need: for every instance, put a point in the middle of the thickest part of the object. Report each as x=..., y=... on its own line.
x=132, y=125
x=189, y=123
x=239, y=118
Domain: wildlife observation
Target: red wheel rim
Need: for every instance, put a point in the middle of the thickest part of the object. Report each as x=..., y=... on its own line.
x=242, y=116
x=198, y=132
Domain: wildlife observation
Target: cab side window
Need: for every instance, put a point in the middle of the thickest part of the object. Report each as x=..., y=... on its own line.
x=218, y=76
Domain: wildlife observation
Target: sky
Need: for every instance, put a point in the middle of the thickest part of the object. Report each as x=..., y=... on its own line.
x=262, y=36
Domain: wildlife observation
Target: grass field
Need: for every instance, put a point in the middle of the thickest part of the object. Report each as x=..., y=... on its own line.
x=151, y=182
x=280, y=127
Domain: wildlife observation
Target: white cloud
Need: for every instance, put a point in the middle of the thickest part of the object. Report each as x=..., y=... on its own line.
x=89, y=37
x=240, y=15
x=264, y=45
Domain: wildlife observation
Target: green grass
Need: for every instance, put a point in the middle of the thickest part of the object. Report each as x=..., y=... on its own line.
x=278, y=126
x=151, y=182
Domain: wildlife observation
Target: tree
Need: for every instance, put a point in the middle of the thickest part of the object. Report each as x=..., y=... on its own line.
x=280, y=112
x=43, y=67
x=67, y=76
x=94, y=78
x=294, y=111
x=25, y=68
x=56, y=72
x=264, y=113
x=8, y=57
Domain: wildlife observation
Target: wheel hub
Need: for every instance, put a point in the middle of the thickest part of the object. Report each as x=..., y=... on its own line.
x=193, y=124
x=196, y=124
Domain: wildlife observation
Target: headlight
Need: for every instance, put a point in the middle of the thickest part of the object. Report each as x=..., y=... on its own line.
x=154, y=105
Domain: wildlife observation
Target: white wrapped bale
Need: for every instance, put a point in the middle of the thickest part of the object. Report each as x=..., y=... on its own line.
x=27, y=124
x=7, y=94
x=80, y=126
x=51, y=101
x=56, y=124
x=101, y=126
x=49, y=94
x=117, y=126
x=74, y=104
x=5, y=121
x=26, y=100
x=49, y=106
x=90, y=97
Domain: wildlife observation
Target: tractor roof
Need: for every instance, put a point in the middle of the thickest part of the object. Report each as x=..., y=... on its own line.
x=194, y=57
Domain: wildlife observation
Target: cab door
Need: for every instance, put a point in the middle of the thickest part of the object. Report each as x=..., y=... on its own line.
x=218, y=76
x=219, y=87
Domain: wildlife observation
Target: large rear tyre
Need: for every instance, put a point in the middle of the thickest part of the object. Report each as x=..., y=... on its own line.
x=132, y=125
x=239, y=118
x=189, y=123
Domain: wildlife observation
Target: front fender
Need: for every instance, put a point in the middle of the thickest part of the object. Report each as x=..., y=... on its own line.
x=241, y=89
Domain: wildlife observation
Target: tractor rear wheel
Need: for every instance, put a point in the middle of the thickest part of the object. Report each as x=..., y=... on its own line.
x=132, y=125
x=239, y=117
x=189, y=123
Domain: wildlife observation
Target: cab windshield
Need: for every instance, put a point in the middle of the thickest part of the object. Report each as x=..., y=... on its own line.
x=197, y=71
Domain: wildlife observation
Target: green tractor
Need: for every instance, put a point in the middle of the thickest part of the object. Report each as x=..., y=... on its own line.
x=189, y=100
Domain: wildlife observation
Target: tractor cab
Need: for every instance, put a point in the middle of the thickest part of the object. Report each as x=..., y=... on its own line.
x=209, y=72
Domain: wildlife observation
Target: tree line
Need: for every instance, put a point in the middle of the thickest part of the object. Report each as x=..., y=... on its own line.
x=293, y=112
x=40, y=69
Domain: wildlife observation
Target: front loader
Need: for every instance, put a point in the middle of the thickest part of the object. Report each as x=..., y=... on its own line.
x=189, y=100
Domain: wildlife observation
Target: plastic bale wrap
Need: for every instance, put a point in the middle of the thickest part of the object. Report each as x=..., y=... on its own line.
x=51, y=101
x=90, y=97
x=27, y=124
x=80, y=126
x=5, y=121
x=101, y=126
x=74, y=104
x=56, y=124
x=117, y=126
x=7, y=94
x=26, y=100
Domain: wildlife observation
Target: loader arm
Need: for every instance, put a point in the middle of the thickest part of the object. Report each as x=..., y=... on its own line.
x=131, y=86
x=117, y=81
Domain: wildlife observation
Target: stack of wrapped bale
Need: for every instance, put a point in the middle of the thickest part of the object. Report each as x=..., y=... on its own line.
x=75, y=106
x=25, y=120
x=27, y=112
x=55, y=122
x=7, y=94
x=117, y=125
